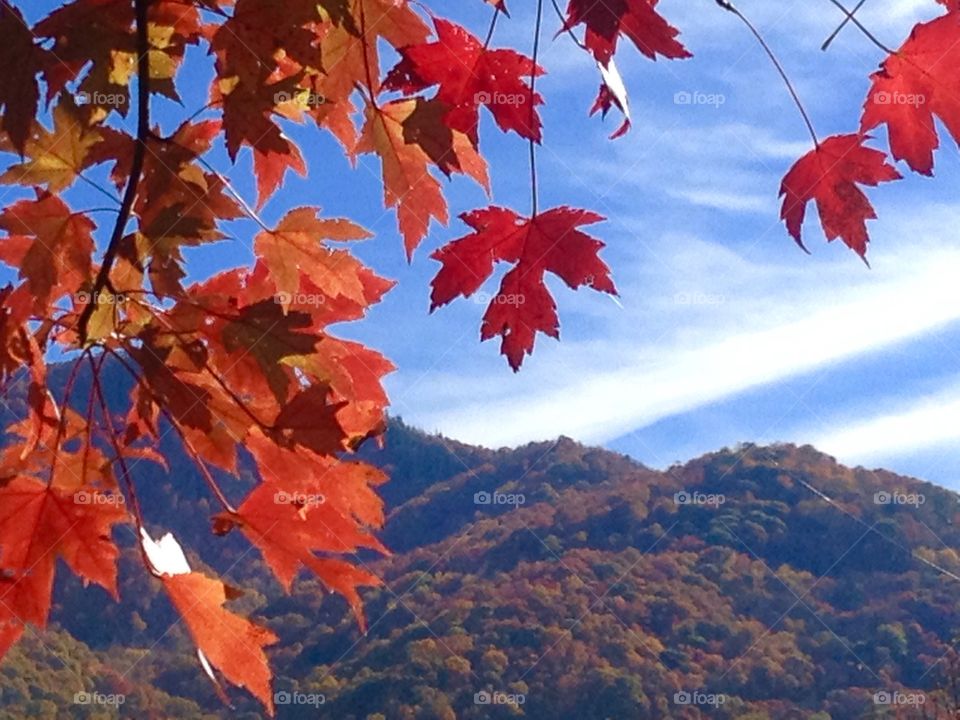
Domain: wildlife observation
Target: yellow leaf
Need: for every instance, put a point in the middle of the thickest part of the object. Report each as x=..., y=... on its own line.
x=54, y=159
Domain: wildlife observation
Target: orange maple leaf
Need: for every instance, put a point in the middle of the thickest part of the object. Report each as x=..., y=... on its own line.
x=226, y=641
x=407, y=183
x=41, y=523
x=326, y=508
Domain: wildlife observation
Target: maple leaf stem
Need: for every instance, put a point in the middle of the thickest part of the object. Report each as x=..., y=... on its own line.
x=62, y=415
x=567, y=28
x=188, y=446
x=89, y=417
x=729, y=7
x=112, y=435
x=202, y=109
x=850, y=18
x=201, y=466
x=533, y=111
x=136, y=166
x=493, y=26
x=251, y=213
x=99, y=188
x=236, y=398
x=366, y=59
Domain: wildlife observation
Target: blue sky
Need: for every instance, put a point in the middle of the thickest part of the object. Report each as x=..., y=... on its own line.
x=725, y=331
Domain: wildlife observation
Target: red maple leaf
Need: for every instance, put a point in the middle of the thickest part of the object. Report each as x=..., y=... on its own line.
x=912, y=86
x=21, y=59
x=638, y=20
x=470, y=75
x=612, y=94
x=245, y=47
x=49, y=243
x=549, y=241
x=830, y=174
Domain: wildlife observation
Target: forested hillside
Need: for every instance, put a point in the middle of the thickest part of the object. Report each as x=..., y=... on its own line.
x=555, y=581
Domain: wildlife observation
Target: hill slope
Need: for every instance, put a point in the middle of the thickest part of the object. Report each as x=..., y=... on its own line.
x=556, y=581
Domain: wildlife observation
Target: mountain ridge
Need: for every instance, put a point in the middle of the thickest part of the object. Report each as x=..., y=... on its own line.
x=572, y=577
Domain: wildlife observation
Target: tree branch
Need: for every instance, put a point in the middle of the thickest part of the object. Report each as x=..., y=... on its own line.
x=136, y=168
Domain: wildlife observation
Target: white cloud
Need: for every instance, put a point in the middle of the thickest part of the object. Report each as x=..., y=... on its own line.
x=918, y=425
x=733, y=202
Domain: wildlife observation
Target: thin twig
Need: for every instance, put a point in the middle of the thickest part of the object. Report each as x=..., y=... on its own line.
x=191, y=451
x=533, y=109
x=833, y=35
x=493, y=25
x=567, y=28
x=850, y=18
x=776, y=63
x=122, y=461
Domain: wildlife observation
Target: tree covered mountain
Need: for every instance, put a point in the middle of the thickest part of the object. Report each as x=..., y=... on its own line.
x=549, y=581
